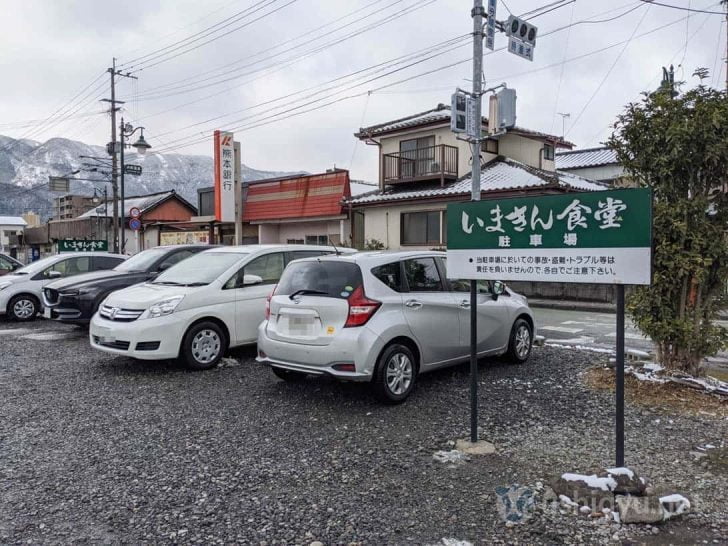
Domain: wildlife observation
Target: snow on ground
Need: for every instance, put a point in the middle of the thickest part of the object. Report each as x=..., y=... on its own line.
x=606, y=483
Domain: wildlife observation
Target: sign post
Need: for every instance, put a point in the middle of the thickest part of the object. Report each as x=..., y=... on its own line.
x=224, y=177
x=602, y=237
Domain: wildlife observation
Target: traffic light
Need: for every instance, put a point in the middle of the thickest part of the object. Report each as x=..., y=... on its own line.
x=524, y=31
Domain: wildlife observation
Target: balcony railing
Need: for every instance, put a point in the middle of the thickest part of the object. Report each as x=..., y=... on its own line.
x=431, y=163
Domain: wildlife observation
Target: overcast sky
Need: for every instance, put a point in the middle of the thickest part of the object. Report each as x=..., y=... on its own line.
x=51, y=51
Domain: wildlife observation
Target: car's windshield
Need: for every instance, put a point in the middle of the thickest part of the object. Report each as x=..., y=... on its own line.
x=200, y=269
x=325, y=278
x=142, y=261
x=33, y=268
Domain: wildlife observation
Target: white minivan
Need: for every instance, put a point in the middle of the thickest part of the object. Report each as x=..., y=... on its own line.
x=197, y=308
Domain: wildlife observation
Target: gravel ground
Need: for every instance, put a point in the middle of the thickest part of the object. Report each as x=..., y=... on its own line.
x=102, y=449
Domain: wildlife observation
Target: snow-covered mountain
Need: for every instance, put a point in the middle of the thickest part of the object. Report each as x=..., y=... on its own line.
x=25, y=166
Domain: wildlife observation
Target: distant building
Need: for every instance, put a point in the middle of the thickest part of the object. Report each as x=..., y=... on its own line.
x=71, y=206
x=11, y=231
x=31, y=218
x=598, y=164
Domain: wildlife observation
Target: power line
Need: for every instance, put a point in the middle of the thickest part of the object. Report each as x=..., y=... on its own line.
x=164, y=60
x=294, y=58
x=225, y=68
x=206, y=32
x=611, y=68
x=682, y=8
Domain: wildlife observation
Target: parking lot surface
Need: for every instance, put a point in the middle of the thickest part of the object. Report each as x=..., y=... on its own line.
x=102, y=449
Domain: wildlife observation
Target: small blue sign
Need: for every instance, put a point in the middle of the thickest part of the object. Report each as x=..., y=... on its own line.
x=135, y=224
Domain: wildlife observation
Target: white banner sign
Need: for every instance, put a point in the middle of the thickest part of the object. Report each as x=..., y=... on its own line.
x=224, y=177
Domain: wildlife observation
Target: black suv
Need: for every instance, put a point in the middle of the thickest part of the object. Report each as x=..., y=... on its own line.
x=77, y=298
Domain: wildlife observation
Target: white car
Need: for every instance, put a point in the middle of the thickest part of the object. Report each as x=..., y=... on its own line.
x=385, y=317
x=21, y=292
x=197, y=308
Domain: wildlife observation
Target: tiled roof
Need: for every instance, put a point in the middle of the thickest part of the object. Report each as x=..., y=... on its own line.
x=498, y=175
x=441, y=114
x=588, y=157
x=310, y=196
x=142, y=202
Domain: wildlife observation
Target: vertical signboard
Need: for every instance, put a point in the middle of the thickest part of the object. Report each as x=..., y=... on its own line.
x=597, y=237
x=224, y=177
x=490, y=25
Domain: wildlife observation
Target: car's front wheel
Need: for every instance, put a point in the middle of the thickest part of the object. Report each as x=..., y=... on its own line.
x=23, y=307
x=521, y=342
x=395, y=375
x=203, y=346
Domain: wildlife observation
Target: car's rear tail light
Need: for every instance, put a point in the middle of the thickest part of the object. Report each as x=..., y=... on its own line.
x=348, y=367
x=267, y=302
x=361, y=308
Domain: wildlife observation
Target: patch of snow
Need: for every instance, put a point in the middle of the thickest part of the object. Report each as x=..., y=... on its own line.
x=621, y=471
x=454, y=542
x=581, y=348
x=567, y=501
x=652, y=367
x=585, y=510
x=676, y=501
x=595, y=482
x=615, y=517
x=452, y=456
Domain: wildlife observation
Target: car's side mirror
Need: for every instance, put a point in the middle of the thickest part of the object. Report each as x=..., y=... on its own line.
x=249, y=280
x=54, y=274
x=498, y=289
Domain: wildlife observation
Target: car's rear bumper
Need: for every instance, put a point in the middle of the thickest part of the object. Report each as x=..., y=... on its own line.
x=148, y=339
x=359, y=346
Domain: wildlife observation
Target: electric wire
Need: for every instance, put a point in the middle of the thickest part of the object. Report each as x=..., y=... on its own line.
x=609, y=71
x=682, y=8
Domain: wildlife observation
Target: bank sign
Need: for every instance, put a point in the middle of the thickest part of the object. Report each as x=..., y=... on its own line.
x=600, y=237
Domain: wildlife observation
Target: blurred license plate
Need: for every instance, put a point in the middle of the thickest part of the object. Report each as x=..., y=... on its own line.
x=47, y=312
x=299, y=326
x=105, y=336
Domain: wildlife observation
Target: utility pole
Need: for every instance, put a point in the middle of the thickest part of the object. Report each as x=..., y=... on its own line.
x=112, y=149
x=477, y=14
x=725, y=3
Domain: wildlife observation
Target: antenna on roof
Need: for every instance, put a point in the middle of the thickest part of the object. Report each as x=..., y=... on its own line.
x=331, y=242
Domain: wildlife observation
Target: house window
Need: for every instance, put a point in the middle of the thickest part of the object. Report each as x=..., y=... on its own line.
x=423, y=228
x=317, y=239
x=548, y=151
x=490, y=145
x=294, y=241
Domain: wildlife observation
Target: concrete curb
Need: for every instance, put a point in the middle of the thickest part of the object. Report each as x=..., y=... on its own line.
x=568, y=305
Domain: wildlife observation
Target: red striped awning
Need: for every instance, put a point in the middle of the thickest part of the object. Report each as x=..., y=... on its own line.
x=309, y=196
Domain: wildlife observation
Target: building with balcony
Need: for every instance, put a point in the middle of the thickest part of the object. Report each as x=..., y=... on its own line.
x=423, y=167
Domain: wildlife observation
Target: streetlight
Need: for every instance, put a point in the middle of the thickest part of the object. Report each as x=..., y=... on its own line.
x=127, y=130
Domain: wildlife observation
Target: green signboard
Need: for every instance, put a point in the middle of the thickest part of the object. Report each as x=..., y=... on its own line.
x=596, y=237
x=79, y=245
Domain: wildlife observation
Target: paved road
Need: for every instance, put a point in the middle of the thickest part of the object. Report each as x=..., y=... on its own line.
x=597, y=331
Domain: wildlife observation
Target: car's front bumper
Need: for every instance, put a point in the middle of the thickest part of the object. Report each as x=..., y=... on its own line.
x=359, y=346
x=146, y=339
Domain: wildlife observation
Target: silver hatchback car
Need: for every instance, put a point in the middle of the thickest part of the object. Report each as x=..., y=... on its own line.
x=385, y=317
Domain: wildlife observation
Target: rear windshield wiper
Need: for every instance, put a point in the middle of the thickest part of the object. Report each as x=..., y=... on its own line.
x=307, y=291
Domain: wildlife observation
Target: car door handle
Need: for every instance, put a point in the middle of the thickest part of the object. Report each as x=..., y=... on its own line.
x=465, y=304
x=414, y=304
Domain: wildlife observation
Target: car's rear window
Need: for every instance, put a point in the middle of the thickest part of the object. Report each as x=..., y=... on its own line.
x=331, y=278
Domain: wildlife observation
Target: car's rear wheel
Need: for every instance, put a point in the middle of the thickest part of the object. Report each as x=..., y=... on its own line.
x=521, y=342
x=203, y=346
x=395, y=375
x=23, y=307
x=289, y=375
